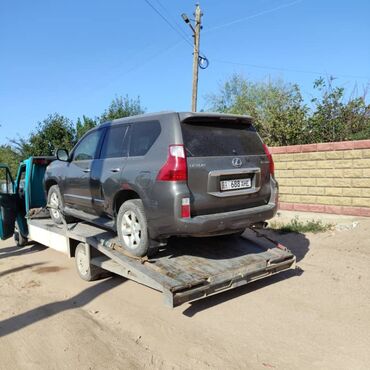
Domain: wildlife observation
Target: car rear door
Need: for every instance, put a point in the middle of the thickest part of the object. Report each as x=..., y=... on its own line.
x=107, y=170
x=227, y=165
x=8, y=204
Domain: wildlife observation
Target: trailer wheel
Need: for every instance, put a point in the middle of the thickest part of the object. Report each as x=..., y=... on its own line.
x=132, y=228
x=85, y=269
x=19, y=239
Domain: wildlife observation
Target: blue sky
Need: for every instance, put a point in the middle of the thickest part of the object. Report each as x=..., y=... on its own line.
x=73, y=57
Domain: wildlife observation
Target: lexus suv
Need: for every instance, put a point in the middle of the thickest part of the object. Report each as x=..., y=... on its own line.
x=154, y=176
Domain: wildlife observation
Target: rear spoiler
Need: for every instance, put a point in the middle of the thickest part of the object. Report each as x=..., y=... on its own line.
x=212, y=117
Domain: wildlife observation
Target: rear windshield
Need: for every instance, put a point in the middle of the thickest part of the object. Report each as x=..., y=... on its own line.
x=208, y=139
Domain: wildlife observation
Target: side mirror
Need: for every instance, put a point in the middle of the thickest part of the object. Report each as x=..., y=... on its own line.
x=62, y=155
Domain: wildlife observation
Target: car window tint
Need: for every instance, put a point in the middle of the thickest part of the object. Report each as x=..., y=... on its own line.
x=220, y=139
x=87, y=147
x=143, y=136
x=114, y=144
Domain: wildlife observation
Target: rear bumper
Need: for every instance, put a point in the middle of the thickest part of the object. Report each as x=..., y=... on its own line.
x=225, y=222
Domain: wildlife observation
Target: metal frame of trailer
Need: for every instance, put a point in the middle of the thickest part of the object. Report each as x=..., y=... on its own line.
x=185, y=270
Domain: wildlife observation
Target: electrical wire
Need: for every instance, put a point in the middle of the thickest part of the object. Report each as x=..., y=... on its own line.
x=172, y=19
x=286, y=69
x=204, y=62
x=283, y=6
x=169, y=23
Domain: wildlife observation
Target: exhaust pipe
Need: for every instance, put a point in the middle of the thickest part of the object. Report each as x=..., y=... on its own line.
x=259, y=225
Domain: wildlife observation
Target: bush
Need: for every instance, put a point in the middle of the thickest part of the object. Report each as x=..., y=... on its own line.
x=297, y=226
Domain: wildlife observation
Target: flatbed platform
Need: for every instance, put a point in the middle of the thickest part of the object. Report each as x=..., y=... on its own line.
x=185, y=270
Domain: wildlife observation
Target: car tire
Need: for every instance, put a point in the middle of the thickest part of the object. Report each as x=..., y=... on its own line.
x=55, y=200
x=132, y=228
x=85, y=269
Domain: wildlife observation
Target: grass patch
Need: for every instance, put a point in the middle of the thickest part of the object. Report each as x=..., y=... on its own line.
x=298, y=226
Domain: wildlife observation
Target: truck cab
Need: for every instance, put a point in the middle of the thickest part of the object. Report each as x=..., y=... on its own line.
x=19, y=196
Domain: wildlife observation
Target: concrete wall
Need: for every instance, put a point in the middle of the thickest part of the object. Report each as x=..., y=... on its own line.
x=327, y=177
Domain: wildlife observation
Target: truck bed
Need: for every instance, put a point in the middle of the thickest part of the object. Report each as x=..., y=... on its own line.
x=186, y=269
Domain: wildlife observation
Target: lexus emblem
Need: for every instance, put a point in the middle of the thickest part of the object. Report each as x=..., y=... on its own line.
x=237, y=162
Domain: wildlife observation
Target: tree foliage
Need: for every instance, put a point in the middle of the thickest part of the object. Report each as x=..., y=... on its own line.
x=336, y=119
x=10, y=157
x=54, y=132
x=83, y=125
x=277, y=108
x=283, y=118
x=122, y=107
x=57, y=131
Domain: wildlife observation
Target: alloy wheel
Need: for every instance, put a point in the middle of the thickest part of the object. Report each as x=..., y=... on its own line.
x=54, y=202
x=131, y=230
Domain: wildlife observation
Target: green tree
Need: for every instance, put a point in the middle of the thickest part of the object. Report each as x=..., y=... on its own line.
x=56, y=131
x=278, y=109
x=122, y=107
x=336, y=119
x=83, y=125
x=10, y=157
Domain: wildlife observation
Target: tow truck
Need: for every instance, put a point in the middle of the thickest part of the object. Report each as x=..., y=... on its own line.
x=186, y=269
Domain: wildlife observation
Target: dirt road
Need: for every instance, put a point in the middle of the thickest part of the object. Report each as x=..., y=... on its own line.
x=317, y=317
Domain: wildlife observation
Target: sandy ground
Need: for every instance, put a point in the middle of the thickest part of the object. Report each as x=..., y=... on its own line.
x=316, y=317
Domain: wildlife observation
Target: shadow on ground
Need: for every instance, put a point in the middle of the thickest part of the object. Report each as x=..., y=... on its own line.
x=297, y=243
x=19, y=268
x=30, y=317
x=19, y=251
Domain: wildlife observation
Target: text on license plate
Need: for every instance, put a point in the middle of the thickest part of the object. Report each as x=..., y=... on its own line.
x=235, y=184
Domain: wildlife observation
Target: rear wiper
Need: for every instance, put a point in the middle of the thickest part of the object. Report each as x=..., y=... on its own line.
x=188, y=151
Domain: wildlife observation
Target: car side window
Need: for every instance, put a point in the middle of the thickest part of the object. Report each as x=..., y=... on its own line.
x=87, y=147
x=22, y=181
x=143, y=136
x=115, y=144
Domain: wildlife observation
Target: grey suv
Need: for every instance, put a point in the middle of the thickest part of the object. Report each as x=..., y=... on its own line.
x=154, y=176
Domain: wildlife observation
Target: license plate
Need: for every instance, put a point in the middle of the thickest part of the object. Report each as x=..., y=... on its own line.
x=235, y=184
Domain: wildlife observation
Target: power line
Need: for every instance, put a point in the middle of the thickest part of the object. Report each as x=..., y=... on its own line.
x=253, y=16
x=178, y=30
x=169, y=23
x=172, y=19
x=286, y=69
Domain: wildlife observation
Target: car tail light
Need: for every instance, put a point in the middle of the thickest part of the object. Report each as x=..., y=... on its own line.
x=175, y=168
x=271, y=161
x=185, y=208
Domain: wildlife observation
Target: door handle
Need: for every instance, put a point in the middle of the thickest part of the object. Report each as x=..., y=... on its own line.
x=86, y=170
x=115, y=169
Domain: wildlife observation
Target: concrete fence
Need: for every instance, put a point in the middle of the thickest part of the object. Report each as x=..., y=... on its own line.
x=327, y=177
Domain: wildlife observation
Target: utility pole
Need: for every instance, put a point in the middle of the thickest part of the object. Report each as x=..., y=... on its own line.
x=196, y=35
x=198, y=20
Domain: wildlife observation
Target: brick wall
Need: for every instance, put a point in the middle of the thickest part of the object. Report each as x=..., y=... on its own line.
x=327, y=177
